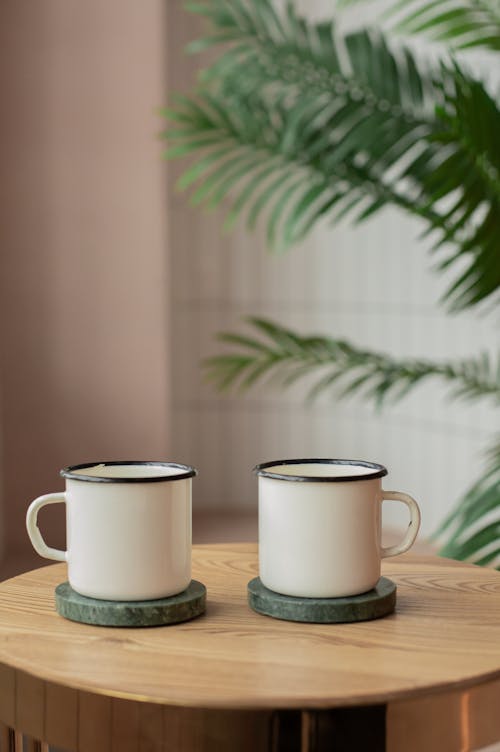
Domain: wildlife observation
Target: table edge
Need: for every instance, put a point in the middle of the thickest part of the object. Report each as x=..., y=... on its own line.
x=231, y=703
x=437, y=690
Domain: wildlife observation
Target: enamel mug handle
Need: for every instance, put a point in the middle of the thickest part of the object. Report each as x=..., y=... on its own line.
x=32, y=527
x=413, y=526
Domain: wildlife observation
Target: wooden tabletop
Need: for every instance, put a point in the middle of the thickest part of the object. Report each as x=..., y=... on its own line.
x=445, y=634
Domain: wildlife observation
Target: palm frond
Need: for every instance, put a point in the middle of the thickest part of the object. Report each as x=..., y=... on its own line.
x=276, y=353
x=350, y=126
x=472, y=529
x=467, y=182
x=258, y=134
x=460, y=23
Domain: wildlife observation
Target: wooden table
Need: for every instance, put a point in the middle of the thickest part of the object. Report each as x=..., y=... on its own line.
x=426, y=678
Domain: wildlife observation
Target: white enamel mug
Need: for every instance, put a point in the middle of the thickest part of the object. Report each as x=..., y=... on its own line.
x=320, y=526
x=128, y=529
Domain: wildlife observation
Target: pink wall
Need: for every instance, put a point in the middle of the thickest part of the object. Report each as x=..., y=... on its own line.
x=84, y=283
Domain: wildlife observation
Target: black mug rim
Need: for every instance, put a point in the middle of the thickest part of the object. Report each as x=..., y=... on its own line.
x=263, y=470
x=185, y=471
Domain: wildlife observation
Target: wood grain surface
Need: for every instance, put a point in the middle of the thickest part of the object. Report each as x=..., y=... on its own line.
x=445, y=634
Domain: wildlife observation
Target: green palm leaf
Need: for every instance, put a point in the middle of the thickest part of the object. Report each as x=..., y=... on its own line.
x=472, y=529
x=469, y=176
x=339, y=117
x=277, y=353
x=463, y=24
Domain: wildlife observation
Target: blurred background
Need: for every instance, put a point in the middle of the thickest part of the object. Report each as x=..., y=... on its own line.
x=113, y=288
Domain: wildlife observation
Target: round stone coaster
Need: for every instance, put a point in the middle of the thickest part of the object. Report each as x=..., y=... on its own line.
x=374, y=604
x=172, y=610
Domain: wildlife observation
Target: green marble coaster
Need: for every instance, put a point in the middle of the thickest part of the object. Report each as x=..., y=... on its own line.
x=172, y=610
x=374, y=604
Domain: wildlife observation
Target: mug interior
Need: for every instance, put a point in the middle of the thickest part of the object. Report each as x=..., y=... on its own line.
x=321, y=470
x=128, y=471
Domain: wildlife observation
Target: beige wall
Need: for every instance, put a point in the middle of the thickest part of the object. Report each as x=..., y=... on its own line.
x=83, y=304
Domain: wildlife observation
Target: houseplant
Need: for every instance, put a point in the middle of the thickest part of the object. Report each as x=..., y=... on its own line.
x=296, y=122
